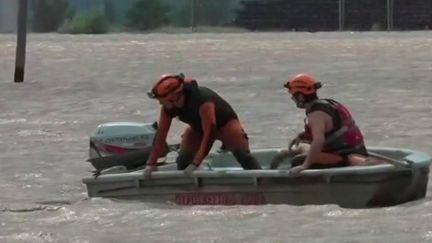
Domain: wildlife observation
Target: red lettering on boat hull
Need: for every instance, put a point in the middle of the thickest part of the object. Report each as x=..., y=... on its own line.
x=219, y=198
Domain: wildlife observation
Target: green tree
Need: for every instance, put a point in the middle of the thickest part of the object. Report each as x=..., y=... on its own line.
x=147, y=14
x=87, y=23
x=49, y=15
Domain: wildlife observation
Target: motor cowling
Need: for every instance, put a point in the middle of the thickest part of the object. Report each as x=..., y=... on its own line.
x=117, y=138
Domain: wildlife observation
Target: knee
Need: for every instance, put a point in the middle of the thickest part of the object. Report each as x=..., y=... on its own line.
x=301, y=148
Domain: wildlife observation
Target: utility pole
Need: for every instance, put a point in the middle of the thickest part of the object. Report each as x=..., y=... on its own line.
x=193, y=15
x=21, y=42
x=341, y=15
x=389, y=14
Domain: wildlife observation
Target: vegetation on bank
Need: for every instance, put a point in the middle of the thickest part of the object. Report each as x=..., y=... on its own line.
x=180, y=16
x=142, y=15
x=90, y=23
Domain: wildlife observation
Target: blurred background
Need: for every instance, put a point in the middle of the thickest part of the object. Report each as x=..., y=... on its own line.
x=103, y=16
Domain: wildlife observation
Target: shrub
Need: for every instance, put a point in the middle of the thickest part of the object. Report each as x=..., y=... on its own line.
x=89, y=23
x=146, y=15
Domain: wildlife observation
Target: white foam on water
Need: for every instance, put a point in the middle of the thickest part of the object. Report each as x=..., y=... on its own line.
x=74, y=83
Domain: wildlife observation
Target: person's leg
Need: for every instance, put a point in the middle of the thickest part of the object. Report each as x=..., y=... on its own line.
x=284, y=154
x=235, y=140
x=189, y=146
x=324, y=160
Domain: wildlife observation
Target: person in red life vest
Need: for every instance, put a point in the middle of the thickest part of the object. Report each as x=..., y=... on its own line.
x=209, y=118
x=331, y=137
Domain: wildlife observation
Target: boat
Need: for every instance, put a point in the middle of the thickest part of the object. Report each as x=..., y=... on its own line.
x=221, y=181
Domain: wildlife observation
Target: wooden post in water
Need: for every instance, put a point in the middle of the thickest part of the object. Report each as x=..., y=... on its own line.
x=389, y=14
x=193, y=15
x=341, y=15
x=21, y=42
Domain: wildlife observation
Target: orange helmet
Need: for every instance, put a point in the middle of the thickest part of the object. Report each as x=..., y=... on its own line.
x=166, y=86
x=302, y=83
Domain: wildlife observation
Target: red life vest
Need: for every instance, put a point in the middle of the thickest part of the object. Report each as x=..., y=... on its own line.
x=345, y=137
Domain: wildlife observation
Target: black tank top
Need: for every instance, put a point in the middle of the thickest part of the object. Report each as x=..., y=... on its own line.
x=195, y=96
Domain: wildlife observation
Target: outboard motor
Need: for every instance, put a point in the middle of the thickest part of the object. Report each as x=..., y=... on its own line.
x=121, y=144
x=121, y=137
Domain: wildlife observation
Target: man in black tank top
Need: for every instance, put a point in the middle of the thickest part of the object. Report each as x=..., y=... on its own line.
x=209, y=118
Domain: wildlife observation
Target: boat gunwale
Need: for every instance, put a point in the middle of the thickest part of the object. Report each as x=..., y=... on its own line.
x=415, y=160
